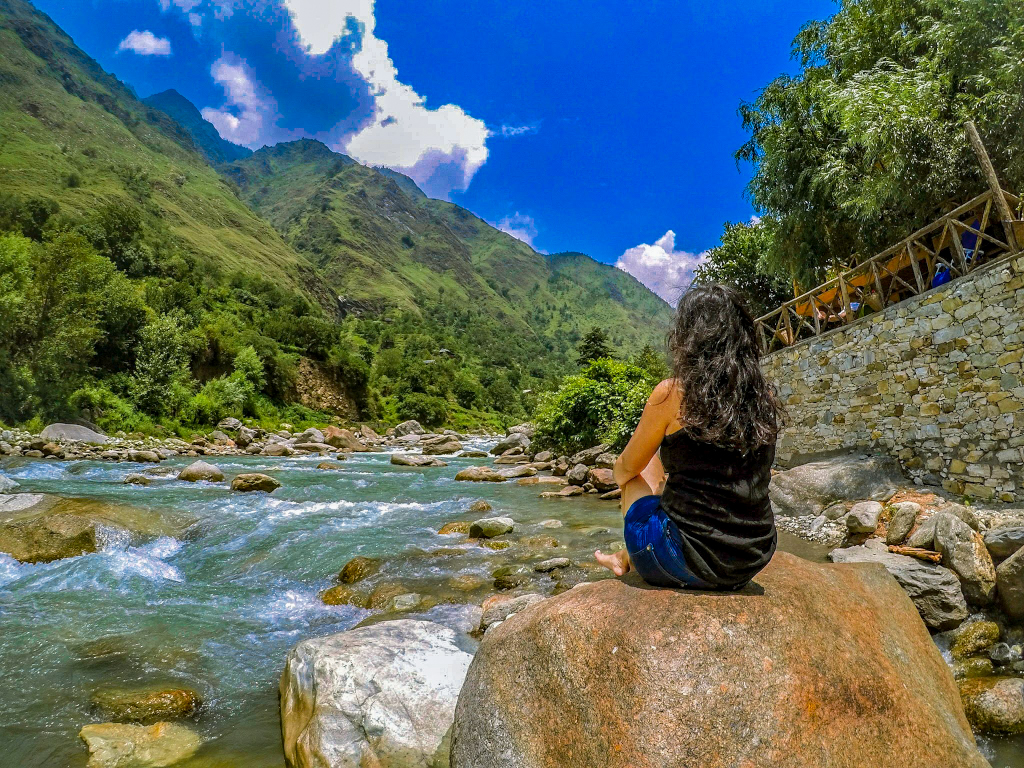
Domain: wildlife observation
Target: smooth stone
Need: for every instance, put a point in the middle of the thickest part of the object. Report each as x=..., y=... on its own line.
x=806, y=490
x=455, y=526
x=863, y=517
x=415, y=460
x=329, y=466
x=480, y=506
x=568, y=491
x=411, y=427
x=973, y=667
x=380, y=695
x=602, y=479
x=489, y=527
x=554, y=563
x=358, y=568
x=963, y=551
x=923, y=536
x=973, y=637
x=343, y=439
x=7, y=485
x=137, y=479
x=120, y=745
x=201, y=471
x=589, y=456
x=480, y=474
x=510, y=576
x=577, y=475
x=499, y=610
x=1010, y=585
x=144, y=457
x=994, y=705
x=72, y=433
x=342, y=594
x=1004, y=542
x=146, y=705
x=901, y=521
x=255, y=481
x=514, y=440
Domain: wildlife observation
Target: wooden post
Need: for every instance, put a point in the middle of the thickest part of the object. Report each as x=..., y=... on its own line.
x=993, y=182
x=847, y=309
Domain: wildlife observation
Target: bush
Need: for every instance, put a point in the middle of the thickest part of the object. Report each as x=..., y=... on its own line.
x=426, y=409
x=108, y=411
x=160, y=363
x=601, y=404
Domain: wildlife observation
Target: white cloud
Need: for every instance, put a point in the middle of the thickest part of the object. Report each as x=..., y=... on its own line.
x=145, y=43
x=183, y=5
x=441, y=149
x=520, y=226
x=241, y=118
x=663, y=269
x=510, y=131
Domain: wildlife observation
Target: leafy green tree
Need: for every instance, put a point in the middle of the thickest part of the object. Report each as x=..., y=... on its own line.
x=161, y=361
x=593, y=346
x=742, y=262
x=866, y=142
x=652, y=361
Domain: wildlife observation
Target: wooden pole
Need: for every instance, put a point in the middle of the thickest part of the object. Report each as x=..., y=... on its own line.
x=993, y=182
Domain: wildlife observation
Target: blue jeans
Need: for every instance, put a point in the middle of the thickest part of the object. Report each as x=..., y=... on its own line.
x=653, y=550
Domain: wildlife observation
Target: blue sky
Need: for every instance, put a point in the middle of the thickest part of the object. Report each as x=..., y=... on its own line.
x=602, y=127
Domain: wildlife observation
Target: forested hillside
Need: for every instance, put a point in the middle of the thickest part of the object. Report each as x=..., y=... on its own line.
x=139, y=287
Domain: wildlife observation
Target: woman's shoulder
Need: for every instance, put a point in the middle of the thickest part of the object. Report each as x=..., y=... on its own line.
x=667, y=393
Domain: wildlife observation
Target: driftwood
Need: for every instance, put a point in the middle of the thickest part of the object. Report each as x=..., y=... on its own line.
x=920, y=554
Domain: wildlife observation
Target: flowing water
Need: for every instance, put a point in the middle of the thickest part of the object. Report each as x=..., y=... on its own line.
x=218, y=609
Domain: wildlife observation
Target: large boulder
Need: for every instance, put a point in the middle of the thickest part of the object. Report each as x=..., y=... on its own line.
x=489, y=527
x=255, y=481
x=344, y=440
x=146, y=705
x=994, y=704
x=1010, y=583
x=963, y=552
x=382, y=695
x=514, y=440
x=39, y=528
x=119, y=745
x=442, y=444
x=416, y=460
x=201, y=470
x=1001, y=542
x=935, y=590
x=480, y=475
x=806, y=490
x=7, y=485
x=589, y=456
x=811, y=665
x=72, y=433
x=411, y=427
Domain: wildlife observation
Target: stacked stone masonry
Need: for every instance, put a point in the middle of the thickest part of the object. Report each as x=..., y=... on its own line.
x=935, y=381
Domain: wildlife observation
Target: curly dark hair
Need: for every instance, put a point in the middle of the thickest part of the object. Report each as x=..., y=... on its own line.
x=726, y=399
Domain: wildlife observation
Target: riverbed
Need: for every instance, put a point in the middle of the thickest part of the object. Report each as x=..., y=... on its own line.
x=218, y=609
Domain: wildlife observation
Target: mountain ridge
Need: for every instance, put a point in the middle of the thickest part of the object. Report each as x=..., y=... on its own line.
x=204, y=134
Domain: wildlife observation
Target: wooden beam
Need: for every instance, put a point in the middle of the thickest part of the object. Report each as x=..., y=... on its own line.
x=847, y=309
x=993, y=183
x=912, y=255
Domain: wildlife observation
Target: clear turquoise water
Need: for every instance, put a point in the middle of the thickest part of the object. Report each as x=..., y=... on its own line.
x=218, y=610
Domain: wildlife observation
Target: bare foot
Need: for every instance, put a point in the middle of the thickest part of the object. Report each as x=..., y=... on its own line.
x=617, y=562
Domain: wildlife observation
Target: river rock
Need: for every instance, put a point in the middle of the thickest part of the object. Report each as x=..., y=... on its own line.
x=344, y=439
x=473, y=454
x=137, y=479
x=1001, y=542
x=310, y=435
x=577, y=475
x=510, y=576
x=7, y=485
x=277, y=449
x=201, y=471
x=924, y=535
x=481, y=474
x=119, y=745
x=994, y=704
x=411, y=427
x=72, y=433
x=330, y=466
x=1010, y=584
x=313, y=447
x=489, y=527
x=455, y=526
x=146, y=705
x=552, y=564
x=40, y=528
x=617, y=674
x=416, y=460
x=369, y=433
x=965, y=513
x=588, y=456
x=514, y=440
x=569, y=490
x=901, y=521
x=499, y=610
x=544, y=456
x=935, y=591
x=442, y=444
x=806, y=490
x=542, y=480
x=245, y=437
x=975, y=666
x=231, y=424
x=974, y=637
x=963, y=551
x=144, y=457
x=255, y=481
x=863, y=517
x=382, y=695
x=480, y=505
x=358, y=568
x=602, y=479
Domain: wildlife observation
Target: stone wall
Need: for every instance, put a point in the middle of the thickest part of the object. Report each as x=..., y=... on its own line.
x=935, y=381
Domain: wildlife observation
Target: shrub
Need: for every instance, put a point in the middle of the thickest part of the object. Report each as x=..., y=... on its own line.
x=160, y=363
x=426, y=409
x=603, y=403
x=108, y=411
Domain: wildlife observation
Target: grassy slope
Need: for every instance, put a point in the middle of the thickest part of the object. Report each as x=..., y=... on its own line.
x=376, y=240
x=210, y=144
x=63, y=118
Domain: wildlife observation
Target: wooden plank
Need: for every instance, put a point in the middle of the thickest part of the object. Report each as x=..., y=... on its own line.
x=912, y=255
x=993, y=182
x=847, y=309
x=878, y=284
x=789, y=328
x=958, y=246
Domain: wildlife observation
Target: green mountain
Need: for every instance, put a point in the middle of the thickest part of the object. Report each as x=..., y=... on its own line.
x=380, y=243
x=292, y=274
x=215, y=149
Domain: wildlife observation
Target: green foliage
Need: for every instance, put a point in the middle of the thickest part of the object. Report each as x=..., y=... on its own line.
x=652, y=361
x=602, y=403
x=426, y=409
x=593, y=346
x=161, y=362
x=866, y=142
x=742, y=261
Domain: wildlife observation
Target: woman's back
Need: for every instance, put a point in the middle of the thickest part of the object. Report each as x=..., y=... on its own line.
x=718, y=499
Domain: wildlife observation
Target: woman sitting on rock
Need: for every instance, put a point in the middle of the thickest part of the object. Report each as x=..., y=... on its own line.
x=698, y=516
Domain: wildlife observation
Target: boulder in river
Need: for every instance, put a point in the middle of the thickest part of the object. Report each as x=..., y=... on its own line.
x=480, y=474
x=455, y=526
x=974, y=637
x=358, y=568
x=603, y=479
x=201, y=470
x=411, y=427
x=40, y=528
x=7, y=485
x=514, y=440
x=963, y=552
x=617, y=674
x=994, y=704
x=72, y=433
x=935, y=590
x=119, y=745
x=807, y=489
x=146, y=705
x=442, y=444
x=416, y=460
x=137, y=478
x=380, y=695
x=255, y=481
x=344, y=439
x=489, y=527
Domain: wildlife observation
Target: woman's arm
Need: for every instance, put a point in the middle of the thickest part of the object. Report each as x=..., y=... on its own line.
x=660, y=411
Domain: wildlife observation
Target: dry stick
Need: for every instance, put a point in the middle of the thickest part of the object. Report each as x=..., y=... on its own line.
x=920, y=554
x=993, y=182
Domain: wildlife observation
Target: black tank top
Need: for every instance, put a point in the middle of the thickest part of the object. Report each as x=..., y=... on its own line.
x=718, y=500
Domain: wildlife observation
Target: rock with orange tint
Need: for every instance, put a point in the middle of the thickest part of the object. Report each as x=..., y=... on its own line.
x=809, y=665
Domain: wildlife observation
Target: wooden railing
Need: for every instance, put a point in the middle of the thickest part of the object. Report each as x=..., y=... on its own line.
x=961, y=241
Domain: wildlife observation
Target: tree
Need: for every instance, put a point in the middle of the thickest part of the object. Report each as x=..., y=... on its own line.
x=866, y=142
x=160, y=362
x=742, y=262
x=652, y=361
x=594, y=346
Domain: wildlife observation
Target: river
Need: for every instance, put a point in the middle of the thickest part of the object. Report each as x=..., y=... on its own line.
x=217, y=610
